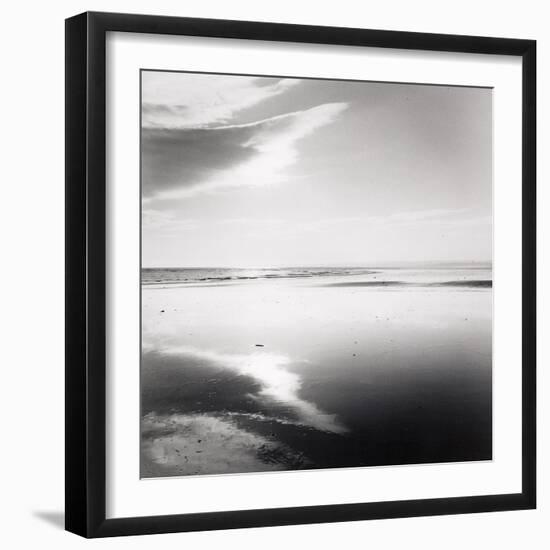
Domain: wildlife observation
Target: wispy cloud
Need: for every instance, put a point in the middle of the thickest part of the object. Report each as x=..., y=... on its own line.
x=179, y=163
x=184, y=100
x=460, y=219
x=436, y=216
x=448, y=217
x=164, y=220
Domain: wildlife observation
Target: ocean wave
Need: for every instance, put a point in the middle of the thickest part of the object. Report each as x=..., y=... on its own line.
x=189, y=275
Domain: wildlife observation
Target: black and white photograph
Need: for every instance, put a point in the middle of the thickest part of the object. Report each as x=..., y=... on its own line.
x=316, y=274
x=274, y=276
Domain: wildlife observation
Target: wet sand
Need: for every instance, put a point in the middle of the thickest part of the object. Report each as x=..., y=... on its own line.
x=314, y=373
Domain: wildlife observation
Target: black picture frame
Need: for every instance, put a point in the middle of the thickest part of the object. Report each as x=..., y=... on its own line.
x=86, y=274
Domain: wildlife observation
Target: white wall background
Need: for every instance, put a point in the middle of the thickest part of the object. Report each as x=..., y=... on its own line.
x=32, y=256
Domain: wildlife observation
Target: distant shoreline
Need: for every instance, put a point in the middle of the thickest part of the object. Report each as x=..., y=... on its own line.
x=403, y=265
x=326, y=277
x=468, y=284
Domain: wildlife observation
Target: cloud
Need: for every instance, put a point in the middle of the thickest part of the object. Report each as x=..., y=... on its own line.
x=458, y=217
x=186, y=100
x=424, y=215
x=165, y=221
x=181, y=162
x=436, y=216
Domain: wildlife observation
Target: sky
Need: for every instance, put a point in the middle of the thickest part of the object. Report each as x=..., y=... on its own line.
x=244, y=171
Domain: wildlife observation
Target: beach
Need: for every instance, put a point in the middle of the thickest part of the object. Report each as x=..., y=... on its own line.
x=301, y=368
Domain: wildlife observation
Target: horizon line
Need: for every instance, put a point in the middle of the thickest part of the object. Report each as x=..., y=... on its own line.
x=317, y=265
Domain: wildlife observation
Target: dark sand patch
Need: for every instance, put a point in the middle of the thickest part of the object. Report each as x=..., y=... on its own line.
x=458, y=284
x=469, y=284
x=173, y=384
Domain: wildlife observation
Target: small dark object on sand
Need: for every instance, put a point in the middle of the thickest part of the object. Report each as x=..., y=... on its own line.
x=162, y=310
x=259, y=345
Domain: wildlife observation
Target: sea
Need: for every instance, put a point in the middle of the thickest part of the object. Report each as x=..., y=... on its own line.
x=479, y=275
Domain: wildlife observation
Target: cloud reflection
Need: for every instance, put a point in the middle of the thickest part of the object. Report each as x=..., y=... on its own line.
x=183, y=444
x=278, y=382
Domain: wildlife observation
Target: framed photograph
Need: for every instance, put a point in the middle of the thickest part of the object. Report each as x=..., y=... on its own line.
x=300, y=274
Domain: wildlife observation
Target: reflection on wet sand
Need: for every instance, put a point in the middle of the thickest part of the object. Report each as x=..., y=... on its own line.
x=277, y=382
x=202, y=444
x=286, y=375
x=172, y=444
